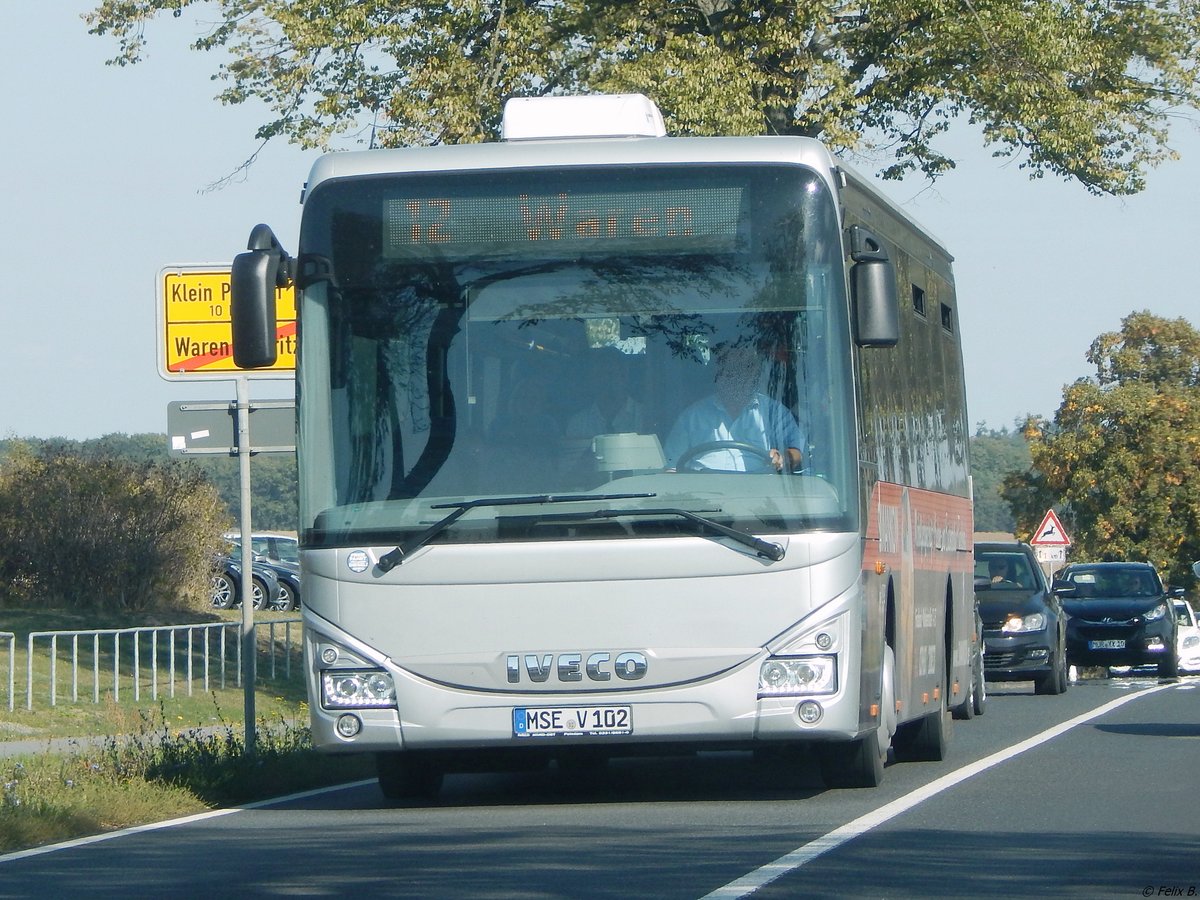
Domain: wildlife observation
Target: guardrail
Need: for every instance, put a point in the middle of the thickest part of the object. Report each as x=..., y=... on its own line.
x=152, y=656
x=7, y=638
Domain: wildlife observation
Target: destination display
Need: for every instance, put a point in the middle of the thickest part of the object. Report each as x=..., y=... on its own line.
x=692, y=219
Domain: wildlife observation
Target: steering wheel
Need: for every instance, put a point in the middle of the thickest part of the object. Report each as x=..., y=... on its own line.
x=690, y=456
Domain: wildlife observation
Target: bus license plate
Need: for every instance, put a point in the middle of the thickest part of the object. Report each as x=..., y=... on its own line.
x=1107, y=645
x=572, y=720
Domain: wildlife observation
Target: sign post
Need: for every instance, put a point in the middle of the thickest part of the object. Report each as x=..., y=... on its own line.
x=195, y=342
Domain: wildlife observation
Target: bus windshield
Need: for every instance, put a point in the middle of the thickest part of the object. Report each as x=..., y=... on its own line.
x=674, y=336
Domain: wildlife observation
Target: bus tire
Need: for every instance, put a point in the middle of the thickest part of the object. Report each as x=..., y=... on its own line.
x=859, y=763
x=407, y=776
x=972, y=705
x=966, y=709
x=980, y=692
x=927, y=739
x=853, y=764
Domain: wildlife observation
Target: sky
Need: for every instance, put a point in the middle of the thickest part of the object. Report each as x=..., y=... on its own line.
x=109, y=175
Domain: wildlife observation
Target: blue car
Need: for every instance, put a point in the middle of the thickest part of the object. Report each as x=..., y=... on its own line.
x=278, y=555
x=227, y=584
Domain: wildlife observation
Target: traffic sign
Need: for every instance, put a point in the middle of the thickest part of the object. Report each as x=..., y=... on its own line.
x=195, y=335
x=1050, y=533
x=210, y=427
x=1050, y=554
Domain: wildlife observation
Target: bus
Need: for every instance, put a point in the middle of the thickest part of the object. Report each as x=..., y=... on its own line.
x=537, y=526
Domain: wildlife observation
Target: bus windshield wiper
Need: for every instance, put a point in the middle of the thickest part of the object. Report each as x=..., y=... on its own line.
x=763, y=548
x=393, y=558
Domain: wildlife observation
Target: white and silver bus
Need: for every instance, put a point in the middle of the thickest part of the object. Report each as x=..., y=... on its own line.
x=535, y=524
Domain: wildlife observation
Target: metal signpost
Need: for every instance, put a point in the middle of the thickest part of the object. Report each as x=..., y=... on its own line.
x=196, y=343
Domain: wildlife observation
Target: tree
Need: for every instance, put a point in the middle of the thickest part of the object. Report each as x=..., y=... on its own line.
x=1083, y=89
x=994, y=456
x=272, y=481
x=93, y=532
x=1122, y=456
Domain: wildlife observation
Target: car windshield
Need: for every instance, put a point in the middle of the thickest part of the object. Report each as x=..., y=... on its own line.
x=1005, y=571
x=1114, y=583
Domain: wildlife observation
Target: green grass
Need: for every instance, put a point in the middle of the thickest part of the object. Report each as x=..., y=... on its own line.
x=156, y=758
x=154, y=774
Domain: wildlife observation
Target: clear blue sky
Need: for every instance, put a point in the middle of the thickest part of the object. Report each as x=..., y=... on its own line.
x=107, y=174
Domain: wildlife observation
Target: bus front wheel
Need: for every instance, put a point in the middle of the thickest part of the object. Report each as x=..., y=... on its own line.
x=927, y=739
x=853, y=764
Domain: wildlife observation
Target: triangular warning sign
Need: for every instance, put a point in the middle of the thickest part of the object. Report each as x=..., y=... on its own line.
x=1050, y=533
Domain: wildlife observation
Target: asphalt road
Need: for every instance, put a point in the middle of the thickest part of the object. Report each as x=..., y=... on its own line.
x=1090, y=794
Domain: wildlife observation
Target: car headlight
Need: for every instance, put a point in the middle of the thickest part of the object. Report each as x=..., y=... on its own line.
x=357, y=689
x=1157, y=613
x=1022, y=624
x=782, y=676
x=1192, y=640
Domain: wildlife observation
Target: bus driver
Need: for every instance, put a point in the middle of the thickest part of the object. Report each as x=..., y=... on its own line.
x=735, y=414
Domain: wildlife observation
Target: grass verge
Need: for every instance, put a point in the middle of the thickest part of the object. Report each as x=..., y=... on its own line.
x=157, y=773
x=156, y=759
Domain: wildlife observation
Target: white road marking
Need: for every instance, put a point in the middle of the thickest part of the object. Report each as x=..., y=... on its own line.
x=801, y=856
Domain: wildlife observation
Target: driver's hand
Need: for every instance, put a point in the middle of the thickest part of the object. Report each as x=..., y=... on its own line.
x=777, y=460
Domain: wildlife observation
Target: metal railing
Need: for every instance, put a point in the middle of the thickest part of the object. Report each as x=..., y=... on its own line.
x=9, y=640
x=151, y=657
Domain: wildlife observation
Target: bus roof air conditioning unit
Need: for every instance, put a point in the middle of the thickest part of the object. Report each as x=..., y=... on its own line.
x=586, y=116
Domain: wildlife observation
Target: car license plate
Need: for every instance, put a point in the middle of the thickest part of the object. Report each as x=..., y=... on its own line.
x=571, y=720
x=1116, y=644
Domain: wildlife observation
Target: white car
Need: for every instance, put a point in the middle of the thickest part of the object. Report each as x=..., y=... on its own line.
x=271, y=544
x=1189, y=638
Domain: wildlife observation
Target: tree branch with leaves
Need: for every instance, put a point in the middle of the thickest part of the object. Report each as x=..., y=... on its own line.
x=1081, y=89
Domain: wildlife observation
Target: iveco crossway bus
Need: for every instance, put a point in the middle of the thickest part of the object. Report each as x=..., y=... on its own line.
x=614, y=443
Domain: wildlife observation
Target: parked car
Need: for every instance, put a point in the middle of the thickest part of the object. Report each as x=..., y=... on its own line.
x=227, y=581
x=1120, y=615
x=1024, y=629
x=271, y=545
x=1188, y=638
x=287, y=572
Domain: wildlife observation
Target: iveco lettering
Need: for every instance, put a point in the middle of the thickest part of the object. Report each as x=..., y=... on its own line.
x=602, y=666
x=612, y=443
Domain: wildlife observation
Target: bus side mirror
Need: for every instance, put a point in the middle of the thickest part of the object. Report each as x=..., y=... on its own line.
x=253, y=280
x=873, y=291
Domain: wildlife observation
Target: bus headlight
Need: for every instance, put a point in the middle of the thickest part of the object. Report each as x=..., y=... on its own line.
x=782, y=676
x=357, y=689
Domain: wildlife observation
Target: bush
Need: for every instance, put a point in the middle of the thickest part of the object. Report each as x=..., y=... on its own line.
x=92, y=532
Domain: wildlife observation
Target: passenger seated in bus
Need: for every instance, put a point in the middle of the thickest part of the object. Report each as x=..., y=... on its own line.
x=736, y=414
x=607, y=406
x=610, y=406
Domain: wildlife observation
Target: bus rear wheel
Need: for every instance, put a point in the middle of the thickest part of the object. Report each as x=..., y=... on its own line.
x=407, y=776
